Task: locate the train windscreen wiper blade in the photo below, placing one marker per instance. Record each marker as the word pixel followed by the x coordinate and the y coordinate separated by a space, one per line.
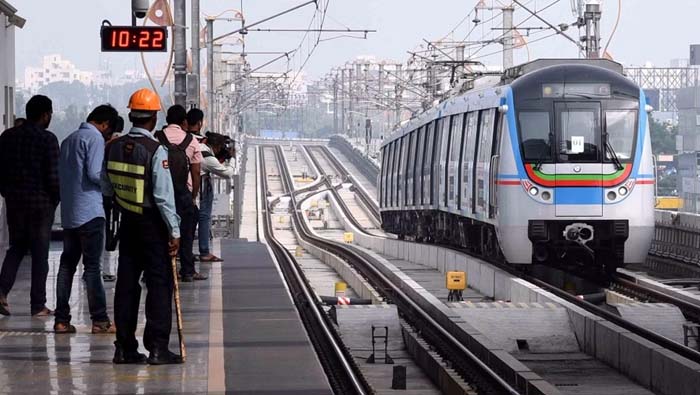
pixel 543 155
pixel 613 155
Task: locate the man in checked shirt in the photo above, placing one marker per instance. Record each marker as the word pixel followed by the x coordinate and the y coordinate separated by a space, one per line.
pixel 29 183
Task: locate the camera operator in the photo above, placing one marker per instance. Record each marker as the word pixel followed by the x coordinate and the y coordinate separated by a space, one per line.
pixel 217 150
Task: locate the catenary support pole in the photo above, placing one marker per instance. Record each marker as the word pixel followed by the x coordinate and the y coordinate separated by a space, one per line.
pixel 180 66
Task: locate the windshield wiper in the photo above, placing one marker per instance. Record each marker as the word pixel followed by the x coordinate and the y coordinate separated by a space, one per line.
pixel 613 154
pixel 543 155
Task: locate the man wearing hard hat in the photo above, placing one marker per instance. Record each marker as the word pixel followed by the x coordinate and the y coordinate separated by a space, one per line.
pixel 137 179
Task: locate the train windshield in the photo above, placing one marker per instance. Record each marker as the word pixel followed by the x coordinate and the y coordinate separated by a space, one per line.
pixel 536 135
pixel 579 132
pixel 620 128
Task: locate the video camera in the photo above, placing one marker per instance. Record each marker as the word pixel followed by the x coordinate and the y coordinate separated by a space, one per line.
pixel 229 145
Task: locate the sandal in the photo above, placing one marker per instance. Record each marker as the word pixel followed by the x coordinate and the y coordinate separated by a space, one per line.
pixel 61 328
pixel 103 327
pixel 210 258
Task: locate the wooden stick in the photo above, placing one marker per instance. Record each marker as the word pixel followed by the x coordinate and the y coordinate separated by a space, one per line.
pixel 178 312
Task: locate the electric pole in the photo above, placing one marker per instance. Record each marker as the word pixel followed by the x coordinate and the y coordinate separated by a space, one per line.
pixel 196 74
pixel 180 66
pixel 342 100
pixel 592 39
pixel 210 71
pixel 507 37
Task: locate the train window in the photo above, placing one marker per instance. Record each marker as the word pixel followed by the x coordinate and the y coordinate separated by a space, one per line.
pixel 418 167
pixel 394 155
pixel 389 174
pixel 403 168
pixel 579 132
pixel 428 163
pixel 535 134
pixel 621 126
pixel 470 137
pixel 444 152
pixel 411 169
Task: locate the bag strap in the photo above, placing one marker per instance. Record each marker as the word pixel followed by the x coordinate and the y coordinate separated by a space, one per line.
pixel 185 142
pixel 160 135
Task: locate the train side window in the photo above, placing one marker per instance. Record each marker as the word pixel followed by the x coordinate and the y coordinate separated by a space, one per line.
pixel 410 169
pixel 485 153
pixel 444 160
pixel 468 155
pixel 428 163
pixel 404 168
pixel 382 173
pixel 397 171
pixel 392 175
pixel 455 150
pixel 468 159
pixel 418 167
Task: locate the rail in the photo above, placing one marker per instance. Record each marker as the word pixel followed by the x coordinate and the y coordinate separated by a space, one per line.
pixel 443 340
pixel 342 373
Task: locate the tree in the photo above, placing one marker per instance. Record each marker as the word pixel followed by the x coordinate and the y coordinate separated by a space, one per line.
pixel 663 137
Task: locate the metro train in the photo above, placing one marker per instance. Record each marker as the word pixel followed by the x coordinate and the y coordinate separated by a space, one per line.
pixel 549 163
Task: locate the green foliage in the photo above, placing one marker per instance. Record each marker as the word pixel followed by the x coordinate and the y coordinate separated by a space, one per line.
pixel 663 138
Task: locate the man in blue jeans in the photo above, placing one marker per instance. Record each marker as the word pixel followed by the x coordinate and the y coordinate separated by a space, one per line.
pixel 83 218
pixel 212 149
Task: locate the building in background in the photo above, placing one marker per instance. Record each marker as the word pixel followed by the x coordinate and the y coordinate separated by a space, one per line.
pixel 10 20
pixel 56 69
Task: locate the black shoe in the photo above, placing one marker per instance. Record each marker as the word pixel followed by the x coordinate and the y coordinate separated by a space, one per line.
pixel 127 357
pixel 186 279
pixel 164 357
pixel 4 306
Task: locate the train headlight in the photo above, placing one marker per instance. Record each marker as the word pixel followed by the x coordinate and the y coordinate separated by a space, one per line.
pixel 622 191
pixel 546 195
pixel 612 195
pixel 534 191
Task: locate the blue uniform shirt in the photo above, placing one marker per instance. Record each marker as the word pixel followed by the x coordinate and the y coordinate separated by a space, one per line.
pixel 79 167
pixel 163 191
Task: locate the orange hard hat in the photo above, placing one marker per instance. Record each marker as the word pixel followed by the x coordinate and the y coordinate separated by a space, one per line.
pixel 144 100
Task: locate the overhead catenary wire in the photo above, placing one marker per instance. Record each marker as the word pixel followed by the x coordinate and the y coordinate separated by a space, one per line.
pixel 617 22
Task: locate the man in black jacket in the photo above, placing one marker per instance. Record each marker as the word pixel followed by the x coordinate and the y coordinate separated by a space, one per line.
pixel 29 183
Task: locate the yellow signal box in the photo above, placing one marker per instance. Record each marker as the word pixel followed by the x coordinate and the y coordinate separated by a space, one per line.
pixel 456 281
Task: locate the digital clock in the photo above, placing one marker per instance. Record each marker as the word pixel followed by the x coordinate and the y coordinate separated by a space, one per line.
pixel 134 38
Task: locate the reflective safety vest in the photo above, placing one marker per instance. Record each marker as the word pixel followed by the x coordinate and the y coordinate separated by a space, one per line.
pixel 129 169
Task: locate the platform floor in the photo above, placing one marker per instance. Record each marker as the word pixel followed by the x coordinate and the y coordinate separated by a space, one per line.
pixel 242 333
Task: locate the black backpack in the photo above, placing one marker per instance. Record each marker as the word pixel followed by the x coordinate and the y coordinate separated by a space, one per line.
pixel 179 165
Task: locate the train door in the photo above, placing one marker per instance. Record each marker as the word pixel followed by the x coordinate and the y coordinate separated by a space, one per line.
pixel 428 164
pixel 453 168
pixel 469 143
pixel 418 167
pixel 444 153
pixel 579 169
pixel 483 164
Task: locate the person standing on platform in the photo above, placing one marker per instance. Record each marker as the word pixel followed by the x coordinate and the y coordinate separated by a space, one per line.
pixel 214 164
pixel 30 185
pixel 83 218
pixel 185 160
pixel 195 122
pixel 136 177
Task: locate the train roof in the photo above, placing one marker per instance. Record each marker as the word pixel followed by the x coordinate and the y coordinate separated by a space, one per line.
pixel 526 77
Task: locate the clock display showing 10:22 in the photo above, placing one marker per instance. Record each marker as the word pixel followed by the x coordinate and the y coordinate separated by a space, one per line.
pixel 134 38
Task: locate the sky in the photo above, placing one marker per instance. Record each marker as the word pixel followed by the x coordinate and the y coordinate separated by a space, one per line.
pixel 649 30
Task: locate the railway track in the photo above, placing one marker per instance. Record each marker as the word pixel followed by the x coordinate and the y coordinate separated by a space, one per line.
pixel 620 283
pixel 443 338
pixel 339 366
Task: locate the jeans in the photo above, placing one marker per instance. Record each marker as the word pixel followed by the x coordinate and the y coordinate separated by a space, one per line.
pixel 206 202
pixel 143 249
pixel 187 221
pixel 87 241
pixel 29 231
